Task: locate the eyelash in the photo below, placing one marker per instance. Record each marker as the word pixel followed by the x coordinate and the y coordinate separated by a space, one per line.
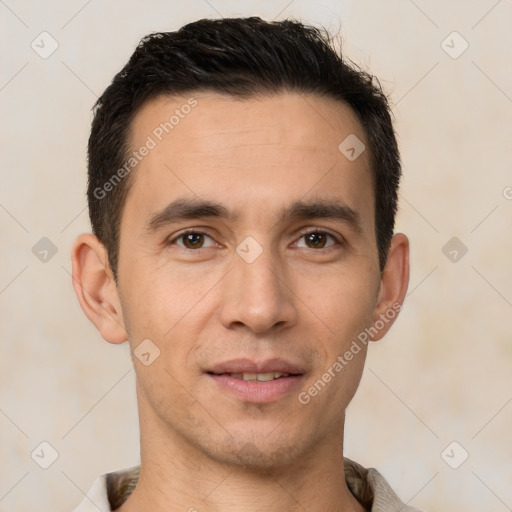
pixel 304 233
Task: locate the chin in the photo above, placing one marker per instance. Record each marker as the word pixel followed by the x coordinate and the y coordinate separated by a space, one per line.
pixel 257 453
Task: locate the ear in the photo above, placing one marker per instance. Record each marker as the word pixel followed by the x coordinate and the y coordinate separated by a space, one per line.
pixel 96 289
pixel 393 287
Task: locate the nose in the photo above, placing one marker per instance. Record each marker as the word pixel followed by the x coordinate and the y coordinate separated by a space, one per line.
pixel 258 295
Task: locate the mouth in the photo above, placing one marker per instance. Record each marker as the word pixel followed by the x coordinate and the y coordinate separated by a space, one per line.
pixel 254 382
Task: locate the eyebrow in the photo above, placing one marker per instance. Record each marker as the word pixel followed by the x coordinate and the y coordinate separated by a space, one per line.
pixel 194 208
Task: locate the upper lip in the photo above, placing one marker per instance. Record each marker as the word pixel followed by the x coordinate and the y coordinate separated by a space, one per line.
pixel 249 366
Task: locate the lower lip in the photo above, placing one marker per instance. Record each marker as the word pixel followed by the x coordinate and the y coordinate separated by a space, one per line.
pixel 255 391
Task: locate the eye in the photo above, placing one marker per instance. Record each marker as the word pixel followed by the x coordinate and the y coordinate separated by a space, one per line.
pixel 317 240
pixel 193 239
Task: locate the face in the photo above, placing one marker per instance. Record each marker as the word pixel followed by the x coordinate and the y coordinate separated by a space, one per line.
pixel 247 247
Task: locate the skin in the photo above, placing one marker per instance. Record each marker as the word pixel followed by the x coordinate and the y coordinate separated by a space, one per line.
pixel 200 446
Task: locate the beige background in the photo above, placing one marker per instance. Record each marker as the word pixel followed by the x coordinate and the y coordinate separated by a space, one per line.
pixel 442 374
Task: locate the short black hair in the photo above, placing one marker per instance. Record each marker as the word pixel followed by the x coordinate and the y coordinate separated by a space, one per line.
pixel 242 57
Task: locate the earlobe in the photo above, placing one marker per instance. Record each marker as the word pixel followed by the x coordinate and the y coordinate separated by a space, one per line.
pixel 393 286
pixel 96 289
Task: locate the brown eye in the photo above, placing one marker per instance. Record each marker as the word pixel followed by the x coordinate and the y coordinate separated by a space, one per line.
pixel 316 240
pixel 193 240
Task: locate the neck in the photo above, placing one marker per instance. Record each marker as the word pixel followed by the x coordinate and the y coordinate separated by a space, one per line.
pixel 176 476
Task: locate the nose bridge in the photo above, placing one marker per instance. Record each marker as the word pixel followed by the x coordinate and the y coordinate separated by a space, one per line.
pixel 257 295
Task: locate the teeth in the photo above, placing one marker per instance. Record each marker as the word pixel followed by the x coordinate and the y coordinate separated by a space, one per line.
pixel 264 377
pixel 261 377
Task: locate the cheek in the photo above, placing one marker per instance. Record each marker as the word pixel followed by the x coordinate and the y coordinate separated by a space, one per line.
pixel 157 299
pixel 344 301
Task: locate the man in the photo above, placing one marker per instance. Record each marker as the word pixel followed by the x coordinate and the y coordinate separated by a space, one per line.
pixel 242 192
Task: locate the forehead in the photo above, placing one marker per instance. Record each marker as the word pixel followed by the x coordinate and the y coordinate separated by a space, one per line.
pixel 209 119
pixel 247 153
